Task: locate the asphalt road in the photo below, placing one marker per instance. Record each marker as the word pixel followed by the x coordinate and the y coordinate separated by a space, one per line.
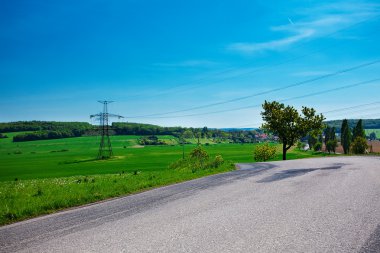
pixel 309 205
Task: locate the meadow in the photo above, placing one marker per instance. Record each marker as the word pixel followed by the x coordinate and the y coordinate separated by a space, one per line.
pixel 40 177
pixel 376 131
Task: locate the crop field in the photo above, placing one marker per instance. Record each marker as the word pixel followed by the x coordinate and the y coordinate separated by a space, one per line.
pixel 39 177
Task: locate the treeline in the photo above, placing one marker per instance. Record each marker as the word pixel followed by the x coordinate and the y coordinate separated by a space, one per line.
pixel 235 136
pixel 23 126
pixel 367 124
pixel 148 129
pixel 44 130
pixel 45 135
pixel 144 129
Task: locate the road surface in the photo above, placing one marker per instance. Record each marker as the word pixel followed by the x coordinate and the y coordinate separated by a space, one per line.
pixel 309 205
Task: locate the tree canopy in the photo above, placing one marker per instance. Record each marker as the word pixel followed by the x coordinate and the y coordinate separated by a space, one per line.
pixel 286 123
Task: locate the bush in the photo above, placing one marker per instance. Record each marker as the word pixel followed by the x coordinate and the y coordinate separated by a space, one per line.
pixel 264 152
pixel 300 145
pixel 218 161
pixel 359 145
pixel 198 159
pixel 317 146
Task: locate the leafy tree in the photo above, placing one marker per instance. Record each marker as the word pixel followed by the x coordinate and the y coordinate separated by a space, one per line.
pixel 288 124
pixel 204 132
pixel 188 134
pixel 320 138
pixel 358 130
pixel 372 136
pixel 264 152
pixel 318 146
pixel 346 136
pixel 312 140
pixel 359 145
pixel 329 134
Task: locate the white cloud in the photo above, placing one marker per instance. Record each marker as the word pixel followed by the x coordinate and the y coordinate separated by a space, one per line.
pixel 250 48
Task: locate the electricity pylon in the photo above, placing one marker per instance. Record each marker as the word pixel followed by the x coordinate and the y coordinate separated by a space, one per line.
pixel 105 149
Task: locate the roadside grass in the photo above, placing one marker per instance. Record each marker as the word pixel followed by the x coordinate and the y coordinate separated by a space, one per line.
pixel 41 177
pixel 23 199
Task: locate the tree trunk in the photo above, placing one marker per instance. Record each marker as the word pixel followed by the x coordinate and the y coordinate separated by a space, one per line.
pixel 284 151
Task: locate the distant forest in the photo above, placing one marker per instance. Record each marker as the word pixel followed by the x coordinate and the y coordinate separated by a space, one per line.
pixel 43 130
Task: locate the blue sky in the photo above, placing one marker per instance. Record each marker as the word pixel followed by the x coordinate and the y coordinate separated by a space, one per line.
pixel 57 58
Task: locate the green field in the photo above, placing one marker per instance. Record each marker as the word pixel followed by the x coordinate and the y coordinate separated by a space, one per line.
pixel 40 177
pixel 376 131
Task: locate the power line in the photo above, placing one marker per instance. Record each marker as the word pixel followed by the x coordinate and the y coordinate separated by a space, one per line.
pixel 255 94
pixel 353 107
pixel 186 84
pixel 325 112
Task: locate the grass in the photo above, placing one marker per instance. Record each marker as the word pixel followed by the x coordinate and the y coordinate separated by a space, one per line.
pixel 41 177
pixel 23 199
pixel 376 131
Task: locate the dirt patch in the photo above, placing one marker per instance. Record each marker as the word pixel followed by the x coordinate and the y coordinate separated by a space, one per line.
pixel 137 146
pixel 374 147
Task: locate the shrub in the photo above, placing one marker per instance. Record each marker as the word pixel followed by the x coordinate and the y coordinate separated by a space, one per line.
pixel 197 159
pixel 359 145
pixel 218 161
pixel 317 146
pixel 264 152
pixel 300 145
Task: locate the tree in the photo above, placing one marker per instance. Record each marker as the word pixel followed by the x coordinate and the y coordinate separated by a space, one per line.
pixel 372 136
pixel 330 139
pixel 327 134
pixel 188 134
pixel 359 145
pixel 204 132
pixel 346 136
pixel 358 130
pixel 331 145
pixel 288 124
pixel 264 152
pixel 312 140
pixel 318 146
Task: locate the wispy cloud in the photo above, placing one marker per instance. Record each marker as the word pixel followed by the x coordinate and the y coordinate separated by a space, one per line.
pixel 326 19
pixel 249 48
